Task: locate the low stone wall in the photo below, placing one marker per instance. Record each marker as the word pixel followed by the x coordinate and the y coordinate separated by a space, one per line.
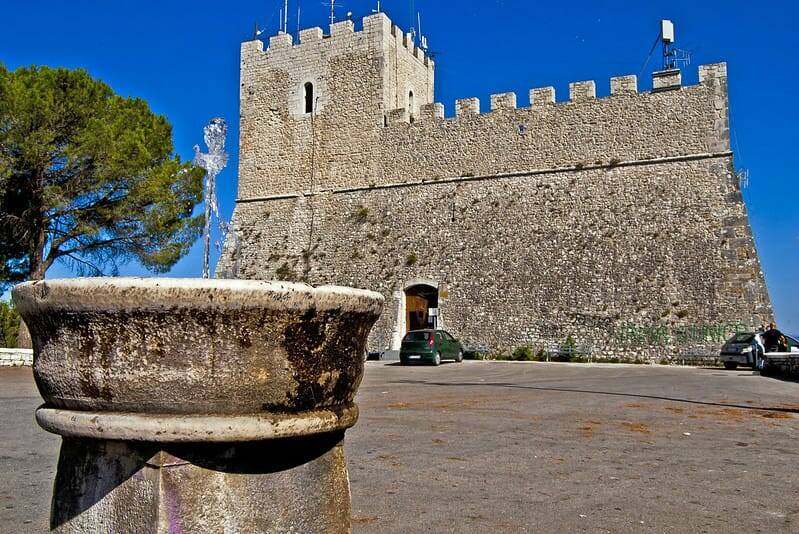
pixel 16 357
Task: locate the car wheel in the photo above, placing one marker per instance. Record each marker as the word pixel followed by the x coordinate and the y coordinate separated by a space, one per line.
pixel 730 365
pixel 459 359
pixel 437 359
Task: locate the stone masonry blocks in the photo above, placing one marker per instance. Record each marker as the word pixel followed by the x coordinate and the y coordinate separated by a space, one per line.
pixel 342 27
pixel 532 185
pixel 712 71
pixel 280 41
pixel 251 48
pixel 467 106
pixel 310 35
pixel 432 111
pixel 542 96
pixel 616 277
pixel 666 79
pixel 624 84
pixel 396 116
pixel 582 91
pixel 503 101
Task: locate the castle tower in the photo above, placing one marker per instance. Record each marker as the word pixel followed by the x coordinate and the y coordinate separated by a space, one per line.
pixel 617 220
pixel 311 111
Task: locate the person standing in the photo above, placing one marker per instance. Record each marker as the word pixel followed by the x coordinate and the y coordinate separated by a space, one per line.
pixel 772 338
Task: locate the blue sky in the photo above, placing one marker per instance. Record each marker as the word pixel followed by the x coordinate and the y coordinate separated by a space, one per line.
pixel 183 58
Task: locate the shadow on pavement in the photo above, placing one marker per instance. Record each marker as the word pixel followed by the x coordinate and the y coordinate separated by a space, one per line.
pixel 593 392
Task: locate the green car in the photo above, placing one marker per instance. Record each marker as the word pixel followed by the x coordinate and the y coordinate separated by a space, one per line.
pixel 430 346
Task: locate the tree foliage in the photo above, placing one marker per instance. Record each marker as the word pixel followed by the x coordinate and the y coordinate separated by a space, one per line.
pixel 9 325
pixel 88 177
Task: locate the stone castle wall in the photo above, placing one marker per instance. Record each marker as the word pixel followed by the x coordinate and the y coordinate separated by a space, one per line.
pixel 617 220
pixel 357 76
pixel 534 258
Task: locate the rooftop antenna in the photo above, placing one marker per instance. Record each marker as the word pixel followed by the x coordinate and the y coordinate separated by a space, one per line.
pixel 667 40
pixel 422 38
pixel 378 7
pixel 332 11
pixel 285 16
pixel 673 57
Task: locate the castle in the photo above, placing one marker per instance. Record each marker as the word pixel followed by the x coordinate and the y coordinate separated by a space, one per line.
pixel 617 221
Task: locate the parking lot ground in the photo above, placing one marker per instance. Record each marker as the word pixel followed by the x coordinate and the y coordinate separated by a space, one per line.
pixel 524 447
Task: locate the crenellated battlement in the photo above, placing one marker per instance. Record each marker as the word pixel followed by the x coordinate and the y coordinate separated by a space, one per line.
pixel 354 107
pixel 373 28
pixel 581 92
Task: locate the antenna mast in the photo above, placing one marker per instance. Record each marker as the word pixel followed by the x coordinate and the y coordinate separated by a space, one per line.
pixel 667 39
pixel 332 11
pixel 285 16
pixel 673 57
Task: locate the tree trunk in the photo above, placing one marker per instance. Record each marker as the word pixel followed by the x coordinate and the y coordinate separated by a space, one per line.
pixel 38 265
pixel 24 340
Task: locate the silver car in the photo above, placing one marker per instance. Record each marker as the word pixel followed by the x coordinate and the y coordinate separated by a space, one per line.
pixel 743 348
pixel 747 348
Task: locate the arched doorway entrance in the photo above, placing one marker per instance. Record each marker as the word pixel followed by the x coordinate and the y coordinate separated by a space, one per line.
pixel 421 307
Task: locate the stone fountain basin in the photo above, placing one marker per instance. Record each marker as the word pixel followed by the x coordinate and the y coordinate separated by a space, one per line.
pixel 152 346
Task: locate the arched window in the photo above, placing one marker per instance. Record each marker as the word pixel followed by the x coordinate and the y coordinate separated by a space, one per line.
pixel 308 97
pixel 410 102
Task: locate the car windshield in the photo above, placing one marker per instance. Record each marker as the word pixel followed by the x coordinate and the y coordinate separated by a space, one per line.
pixel 741 338
pixel 417 336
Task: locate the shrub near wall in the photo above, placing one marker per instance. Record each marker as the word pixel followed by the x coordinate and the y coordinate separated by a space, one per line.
pixel 9 325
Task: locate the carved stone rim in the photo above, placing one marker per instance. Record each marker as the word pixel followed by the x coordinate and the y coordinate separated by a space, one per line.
pixel 130 293
pixel 179 428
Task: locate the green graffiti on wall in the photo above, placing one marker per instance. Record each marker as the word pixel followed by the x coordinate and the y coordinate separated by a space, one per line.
pixel 679 334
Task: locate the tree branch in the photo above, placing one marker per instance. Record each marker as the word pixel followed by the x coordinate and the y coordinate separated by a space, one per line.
pixel 98 244
pixel 92 266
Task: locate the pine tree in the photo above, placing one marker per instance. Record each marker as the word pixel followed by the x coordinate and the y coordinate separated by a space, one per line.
pixel 88 177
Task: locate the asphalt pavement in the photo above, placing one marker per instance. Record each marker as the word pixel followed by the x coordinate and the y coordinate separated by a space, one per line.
pixel 523 447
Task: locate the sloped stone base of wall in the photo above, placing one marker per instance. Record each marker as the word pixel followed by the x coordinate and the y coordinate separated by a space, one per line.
pixel 650 260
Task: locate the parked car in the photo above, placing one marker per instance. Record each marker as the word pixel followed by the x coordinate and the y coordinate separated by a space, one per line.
pixel 431 346
pixel 747 348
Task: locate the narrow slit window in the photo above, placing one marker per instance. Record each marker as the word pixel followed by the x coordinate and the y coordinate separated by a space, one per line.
pixel 309 96
pixel 410 102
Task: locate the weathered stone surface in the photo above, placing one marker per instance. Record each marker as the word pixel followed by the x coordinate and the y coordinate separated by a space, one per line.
pixel 285 485
pixel 196 346
pixel 24 337
pixel 617 220
pixel 198 406
pixel 182 428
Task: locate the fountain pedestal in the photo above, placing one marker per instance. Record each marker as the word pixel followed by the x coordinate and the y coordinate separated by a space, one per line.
pixel 198 406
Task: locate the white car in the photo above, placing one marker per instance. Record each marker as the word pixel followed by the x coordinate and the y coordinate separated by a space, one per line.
pixel 746 348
